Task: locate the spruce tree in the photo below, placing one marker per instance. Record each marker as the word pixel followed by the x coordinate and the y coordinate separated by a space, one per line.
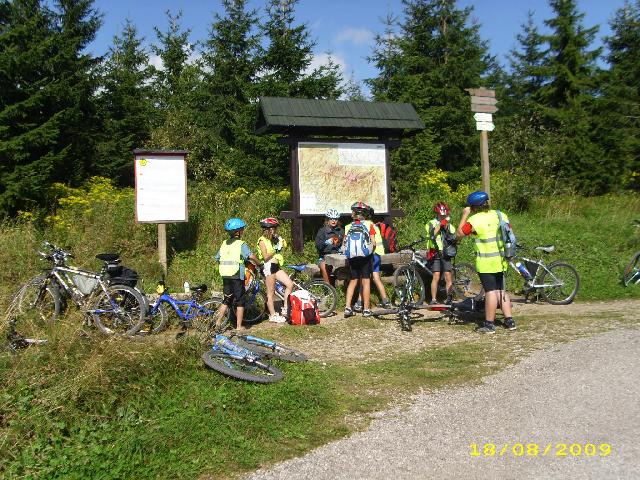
pixel 47 121
pixel 125 105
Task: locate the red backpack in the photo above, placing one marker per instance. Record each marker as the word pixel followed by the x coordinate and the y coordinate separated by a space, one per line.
pixel 389 237
pixel 303 309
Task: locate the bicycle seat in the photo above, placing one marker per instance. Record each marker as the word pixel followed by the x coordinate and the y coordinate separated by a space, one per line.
pixel 546 248
pixel 108 257
pixel 300 267
pixel 199 288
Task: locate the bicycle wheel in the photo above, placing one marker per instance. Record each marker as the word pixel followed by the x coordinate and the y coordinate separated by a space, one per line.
pixel 466 282
pixel 324 294
pixel 155 320
pixel 632 272
pixel 255 307
pixel 242 369
pixel 563 283
pixel 39 296
pixel 409 284
pixel 24 332
pixel 120 310
pixel 269 349
pixel 204 322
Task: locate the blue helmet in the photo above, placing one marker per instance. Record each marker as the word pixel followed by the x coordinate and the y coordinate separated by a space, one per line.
pixel 234 224
pixel 477 198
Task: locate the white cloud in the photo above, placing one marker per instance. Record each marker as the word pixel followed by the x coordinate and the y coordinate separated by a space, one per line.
pixel 357 36
pixel 156 61
pixel 323 59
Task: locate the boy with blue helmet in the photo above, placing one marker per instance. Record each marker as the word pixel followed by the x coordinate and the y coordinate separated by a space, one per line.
pixel 482 222
pixel 232 255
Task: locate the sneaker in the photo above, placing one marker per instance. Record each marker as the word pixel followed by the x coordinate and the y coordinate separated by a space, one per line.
pixel 509 323
pixel 357 307
pixel 367 313
pixel 385 303
pixel 488 328
pixel 433 302
pixel 449 300
pixel 348 313
pixel 277 318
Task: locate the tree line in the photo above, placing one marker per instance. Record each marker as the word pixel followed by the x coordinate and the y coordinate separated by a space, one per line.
pixel 568 121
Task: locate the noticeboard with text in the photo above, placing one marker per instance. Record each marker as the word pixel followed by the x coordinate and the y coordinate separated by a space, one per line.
pixel 335 175
pixel 161 187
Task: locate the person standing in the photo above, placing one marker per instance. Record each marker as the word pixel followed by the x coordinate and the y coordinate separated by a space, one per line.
pixel 442 263
pixel 481 222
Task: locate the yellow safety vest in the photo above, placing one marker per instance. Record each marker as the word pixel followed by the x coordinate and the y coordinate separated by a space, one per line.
pixel 377 237
pixel 230 257
pixel 268 245
pixel 487 242
pixel 434 223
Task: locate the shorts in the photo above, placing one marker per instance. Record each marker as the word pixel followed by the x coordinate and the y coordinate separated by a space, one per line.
pixel 377 261
pixel 442 264
pixel 360 267
pixel 233 290
pixel 492 281
pixel 270 268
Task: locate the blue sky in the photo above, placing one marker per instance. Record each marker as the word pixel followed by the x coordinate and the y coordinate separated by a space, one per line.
pixel 343 27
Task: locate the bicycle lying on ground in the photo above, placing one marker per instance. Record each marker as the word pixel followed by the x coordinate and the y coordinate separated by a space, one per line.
pixel 111 306
pixel 200 316
pixel 465 279
pixel 255 306
pixel 17 341
pixel 557 282
pixel 631 273
pixel 243 357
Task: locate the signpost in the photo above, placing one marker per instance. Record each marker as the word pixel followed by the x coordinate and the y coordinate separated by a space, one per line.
pixel 161 191
pixel 483 103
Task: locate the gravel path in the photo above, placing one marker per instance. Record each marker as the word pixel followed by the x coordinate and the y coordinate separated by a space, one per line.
pixel 582 392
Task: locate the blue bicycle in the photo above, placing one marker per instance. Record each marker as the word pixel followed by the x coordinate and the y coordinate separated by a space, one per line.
pixel 201 317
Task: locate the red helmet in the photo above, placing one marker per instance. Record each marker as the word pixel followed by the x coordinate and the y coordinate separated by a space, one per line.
pixel 441 209
pixel 269 222
pixel 360 207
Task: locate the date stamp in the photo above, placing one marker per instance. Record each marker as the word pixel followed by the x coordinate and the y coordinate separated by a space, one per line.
pixel 540 450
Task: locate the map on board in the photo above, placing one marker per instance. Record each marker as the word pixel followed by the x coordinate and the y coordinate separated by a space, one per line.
pixel 335 175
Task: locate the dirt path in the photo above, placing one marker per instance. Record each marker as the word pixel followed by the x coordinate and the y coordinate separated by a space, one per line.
pixel 358 340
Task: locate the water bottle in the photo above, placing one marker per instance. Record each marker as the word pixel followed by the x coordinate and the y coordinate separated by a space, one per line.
pixel 187 287
pixel 279 288
pixel 223 343
pixel 523 270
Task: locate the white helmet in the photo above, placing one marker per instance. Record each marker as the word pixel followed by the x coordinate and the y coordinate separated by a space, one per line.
pixel 332 214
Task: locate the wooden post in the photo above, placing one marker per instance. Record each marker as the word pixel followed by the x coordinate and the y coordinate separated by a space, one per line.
pixel 162 246
pixel 484 151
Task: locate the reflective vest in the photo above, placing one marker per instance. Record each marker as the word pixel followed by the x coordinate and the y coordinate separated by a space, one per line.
pixel 230 257
pixel 487 242
pixel 430 227
pixel 268 245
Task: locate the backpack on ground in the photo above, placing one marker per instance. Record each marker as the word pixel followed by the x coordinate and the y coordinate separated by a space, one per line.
pixel 358 241
pixel 389 237
pixel 303 309
pixel 507 236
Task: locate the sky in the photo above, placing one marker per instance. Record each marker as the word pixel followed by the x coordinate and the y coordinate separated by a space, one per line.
pixel 345 28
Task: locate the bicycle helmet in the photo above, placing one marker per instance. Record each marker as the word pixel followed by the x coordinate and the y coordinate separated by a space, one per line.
pixel 332 214
pixel 441 209
pixel 360 207
pixel 477 198
pixel 269 222
pixel 234 224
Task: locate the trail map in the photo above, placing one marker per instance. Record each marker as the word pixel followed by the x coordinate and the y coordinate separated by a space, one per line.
pixel 335 175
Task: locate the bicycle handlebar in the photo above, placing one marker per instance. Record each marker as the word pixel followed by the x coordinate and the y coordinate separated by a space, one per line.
pixel 412 244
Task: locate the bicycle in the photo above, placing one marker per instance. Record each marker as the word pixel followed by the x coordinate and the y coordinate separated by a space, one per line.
pixel 201 316
pixel 17 341
pixel 631 274
pixel 232 359
pixel 466 282
pixel 255 307
pixel 113 307
pixel 557 282
pixel 404 308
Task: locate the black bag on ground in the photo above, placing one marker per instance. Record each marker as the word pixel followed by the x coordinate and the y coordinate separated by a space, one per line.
pixel 121 275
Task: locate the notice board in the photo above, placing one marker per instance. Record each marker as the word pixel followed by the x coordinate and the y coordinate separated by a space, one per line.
pixel 161 187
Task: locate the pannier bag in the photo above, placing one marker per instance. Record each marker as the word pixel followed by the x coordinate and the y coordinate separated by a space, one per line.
pixel 507 236
pixel 389 237
pixel 358 241
pixel 121 275
pixel 303 309
pixel 84 284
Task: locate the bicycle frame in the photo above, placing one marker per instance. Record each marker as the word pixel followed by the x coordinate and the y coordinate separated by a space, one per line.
pixel 193 308
pixel 69 287
pixel 541 266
